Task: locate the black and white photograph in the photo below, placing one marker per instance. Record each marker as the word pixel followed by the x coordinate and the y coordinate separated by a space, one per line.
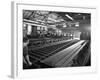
pixel 55 39
pixel 50 40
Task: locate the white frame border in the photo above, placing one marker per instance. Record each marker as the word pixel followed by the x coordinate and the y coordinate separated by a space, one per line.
pixel 17 70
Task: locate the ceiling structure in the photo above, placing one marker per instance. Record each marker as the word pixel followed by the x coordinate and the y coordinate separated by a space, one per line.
pixel 62 20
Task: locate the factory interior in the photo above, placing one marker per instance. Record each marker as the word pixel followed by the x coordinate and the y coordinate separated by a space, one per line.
pixel 57 39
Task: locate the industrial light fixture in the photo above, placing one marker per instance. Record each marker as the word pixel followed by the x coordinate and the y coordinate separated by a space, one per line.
pixel 64 25
pixel 69 17
pixel 77 24
pixel 79 14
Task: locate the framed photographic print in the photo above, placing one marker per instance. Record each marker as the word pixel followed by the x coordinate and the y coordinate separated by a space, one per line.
pixel 52 40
